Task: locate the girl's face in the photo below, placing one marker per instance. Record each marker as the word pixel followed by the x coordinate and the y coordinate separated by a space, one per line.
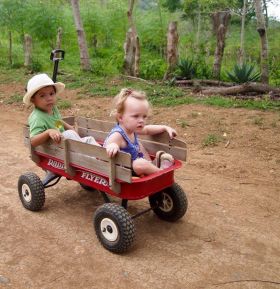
pixel 135 114
pixel 45 99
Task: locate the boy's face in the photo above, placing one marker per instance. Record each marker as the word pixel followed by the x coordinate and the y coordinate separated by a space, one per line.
pixel 45 98
pixel 135 114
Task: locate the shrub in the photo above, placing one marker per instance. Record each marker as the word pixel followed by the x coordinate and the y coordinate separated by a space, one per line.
pixel 243 73
pixel 152 69
pixel 187 69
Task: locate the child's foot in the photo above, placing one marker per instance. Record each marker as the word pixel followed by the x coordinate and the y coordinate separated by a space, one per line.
pixel 166 161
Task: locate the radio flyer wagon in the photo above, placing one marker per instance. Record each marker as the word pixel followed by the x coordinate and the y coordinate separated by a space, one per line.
pixel 90 166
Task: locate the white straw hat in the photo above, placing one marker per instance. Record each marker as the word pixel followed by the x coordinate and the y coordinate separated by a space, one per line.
pixel 39 81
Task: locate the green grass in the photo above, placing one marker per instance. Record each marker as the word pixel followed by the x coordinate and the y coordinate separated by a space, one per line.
pixel 159 94
pixel 63 104
pixel 211 140
pixel 15 98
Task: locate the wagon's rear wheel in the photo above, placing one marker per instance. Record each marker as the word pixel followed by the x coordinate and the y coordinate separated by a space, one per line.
pixel 87 188
pixel 31 191
pixel 114 227
pixel 169 204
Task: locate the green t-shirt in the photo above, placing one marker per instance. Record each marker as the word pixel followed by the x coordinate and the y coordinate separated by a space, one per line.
pixel 39 121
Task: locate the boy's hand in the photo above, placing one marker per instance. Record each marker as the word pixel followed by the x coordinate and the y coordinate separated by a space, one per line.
pixel 55 135
pixel 112 149
pixel 171 131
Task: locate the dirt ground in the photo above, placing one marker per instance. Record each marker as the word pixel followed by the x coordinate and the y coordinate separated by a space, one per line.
pixel 228 239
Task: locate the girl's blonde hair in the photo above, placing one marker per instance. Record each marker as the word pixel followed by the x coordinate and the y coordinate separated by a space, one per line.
pixel 119 100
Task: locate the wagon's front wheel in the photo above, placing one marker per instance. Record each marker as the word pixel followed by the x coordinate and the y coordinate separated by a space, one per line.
pixel 114 227
pixel 31 191
pixel 169 204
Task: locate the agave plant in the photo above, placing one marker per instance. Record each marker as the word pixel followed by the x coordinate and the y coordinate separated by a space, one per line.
pixel 243 73
pixel 186 68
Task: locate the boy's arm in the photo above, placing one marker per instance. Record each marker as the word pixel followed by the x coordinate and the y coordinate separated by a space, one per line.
pixel 42 137
pixel 152 129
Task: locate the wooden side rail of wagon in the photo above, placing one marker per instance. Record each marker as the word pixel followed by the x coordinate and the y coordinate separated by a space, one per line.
pixel 72 155
pixel 99 130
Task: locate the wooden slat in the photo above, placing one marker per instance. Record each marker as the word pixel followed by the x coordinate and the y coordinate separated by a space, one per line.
pixel 87 161
pixel 123 159
pixel 69 119
pixel 95 124
pixel 102 167
pixel 51 149
pixel 99 136
pixel 178 152
pixel 106 126
pixel 67 158
pixel 26 131
pixel 164 138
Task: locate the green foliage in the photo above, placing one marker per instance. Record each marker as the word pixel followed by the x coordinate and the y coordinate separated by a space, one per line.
pixel 187 69
pixel 43 16
pixel 211 140
pixel 243 73
pixel 274 71
pixel 153 69
pixel 15 98
pixel 172 5
pixel 36 66
pixel 63 103
pixel 109 24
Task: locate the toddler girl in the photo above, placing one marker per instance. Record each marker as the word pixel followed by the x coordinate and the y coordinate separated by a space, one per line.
pixel 132 110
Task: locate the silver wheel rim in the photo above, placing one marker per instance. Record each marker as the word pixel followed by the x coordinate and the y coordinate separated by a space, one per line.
pixel 109 230
pixel 167 203
pixel 26 193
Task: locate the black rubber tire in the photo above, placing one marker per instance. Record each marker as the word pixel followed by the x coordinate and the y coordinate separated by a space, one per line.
pixel 31 191
pixel 169 204
pixel 87 188
pixel 114 227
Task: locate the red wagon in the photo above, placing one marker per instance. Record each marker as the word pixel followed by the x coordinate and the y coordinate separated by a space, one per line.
pixel 90 166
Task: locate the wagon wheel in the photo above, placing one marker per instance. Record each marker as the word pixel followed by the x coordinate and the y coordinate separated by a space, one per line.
pixel 114 227
pixel 31 191
pixel 169 204
pixel 87 188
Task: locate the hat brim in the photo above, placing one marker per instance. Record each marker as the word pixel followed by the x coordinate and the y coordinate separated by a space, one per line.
pixel 59 87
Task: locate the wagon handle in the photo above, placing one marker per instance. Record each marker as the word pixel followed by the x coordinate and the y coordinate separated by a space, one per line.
pixel 56 56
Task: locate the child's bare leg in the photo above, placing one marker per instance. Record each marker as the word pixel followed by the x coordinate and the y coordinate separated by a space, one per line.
pixel 144 167
pixel 144 151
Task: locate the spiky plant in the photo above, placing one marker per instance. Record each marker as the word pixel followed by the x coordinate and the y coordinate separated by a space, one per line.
pixel 186 68
pixel 243 73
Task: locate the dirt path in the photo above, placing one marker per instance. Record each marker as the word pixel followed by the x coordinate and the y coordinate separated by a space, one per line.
pixel 228 239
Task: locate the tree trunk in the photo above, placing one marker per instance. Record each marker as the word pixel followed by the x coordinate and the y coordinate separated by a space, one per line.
pixel 10 48
pixel 264 43
pixel 162 50
pixel 27 50
pixel 131 46
pixel 172 48
pixel 266 13
pixel 59 38
pixel 197 40
pixel 84 56
pixel 242 32
pixel 220 25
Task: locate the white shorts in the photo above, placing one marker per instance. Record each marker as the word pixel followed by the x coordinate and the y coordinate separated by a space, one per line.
pixel 71 134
